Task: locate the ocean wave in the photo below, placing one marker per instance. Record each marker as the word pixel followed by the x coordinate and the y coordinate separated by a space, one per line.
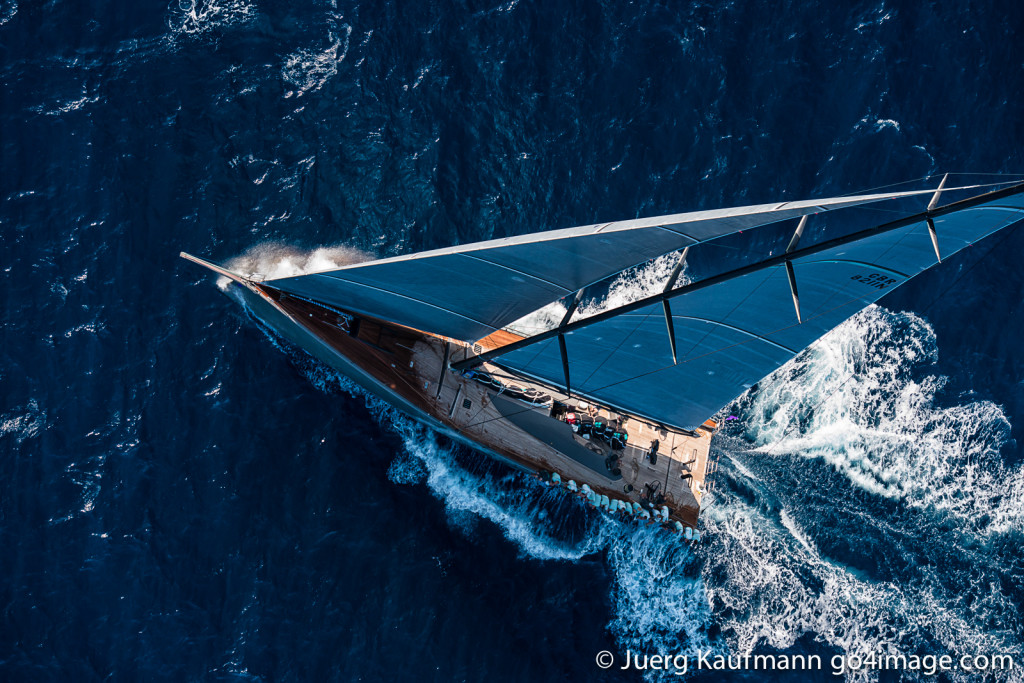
pixel 23 423
pixel 8 8
pixel 661 601
pixel 511 505
pixel 876 124
pixel 769 589
pixel 309 69
pixel 857 399
pixel 69 105
pixel 197 17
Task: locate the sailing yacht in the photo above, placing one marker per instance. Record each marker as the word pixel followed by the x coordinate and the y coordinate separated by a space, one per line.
pixel 617 403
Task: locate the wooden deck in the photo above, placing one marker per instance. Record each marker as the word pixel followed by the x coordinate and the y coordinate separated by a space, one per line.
pixel 414 366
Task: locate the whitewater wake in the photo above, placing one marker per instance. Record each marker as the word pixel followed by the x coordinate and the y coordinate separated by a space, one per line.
pixel 906 482
pixel 863 402
pixel 860 405
pixel 628 286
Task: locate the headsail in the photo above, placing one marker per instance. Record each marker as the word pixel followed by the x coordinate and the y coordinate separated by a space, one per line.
pixel 470 291
pixel 733 329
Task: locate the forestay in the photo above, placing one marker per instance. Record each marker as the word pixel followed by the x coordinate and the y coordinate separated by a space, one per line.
pixel 470 291
pixel 733 333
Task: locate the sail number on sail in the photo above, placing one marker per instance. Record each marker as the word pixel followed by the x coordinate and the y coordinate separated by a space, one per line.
pixel 876 280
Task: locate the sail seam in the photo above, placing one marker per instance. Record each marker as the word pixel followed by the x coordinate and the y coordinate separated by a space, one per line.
pixel 680 233
pixel 593 392
pixel 406 296
pixel 722 324
pixel 755 289
pixel 1014 209
pixel 616 349
pixel 866 264
pixel 516 270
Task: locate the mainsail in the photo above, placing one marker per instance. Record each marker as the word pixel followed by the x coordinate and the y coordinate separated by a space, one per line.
pixel 680 355
pixel 733 329
pixel 468 292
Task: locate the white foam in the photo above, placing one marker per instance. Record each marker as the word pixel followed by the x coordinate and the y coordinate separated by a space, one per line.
pixel 271 260
pixel 544 318
pixel 23 422
pixel 67 106
pixel 635 283
pixel 630 285
pixel 408 470
pixel 8 9
pixel 462 492
pixel 660 601
pixel 195 17
pixel 795 531
pixel 856 400
pixel 770 589
pixel 309 69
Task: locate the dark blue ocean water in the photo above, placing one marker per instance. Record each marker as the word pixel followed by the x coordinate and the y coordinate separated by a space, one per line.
pixel 183 499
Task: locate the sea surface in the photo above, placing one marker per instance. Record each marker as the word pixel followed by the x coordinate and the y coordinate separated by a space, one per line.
pixel 184 498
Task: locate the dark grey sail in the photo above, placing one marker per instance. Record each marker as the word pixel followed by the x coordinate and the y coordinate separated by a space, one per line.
pixel 468 292
pixel 736 328
pixel 676 357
